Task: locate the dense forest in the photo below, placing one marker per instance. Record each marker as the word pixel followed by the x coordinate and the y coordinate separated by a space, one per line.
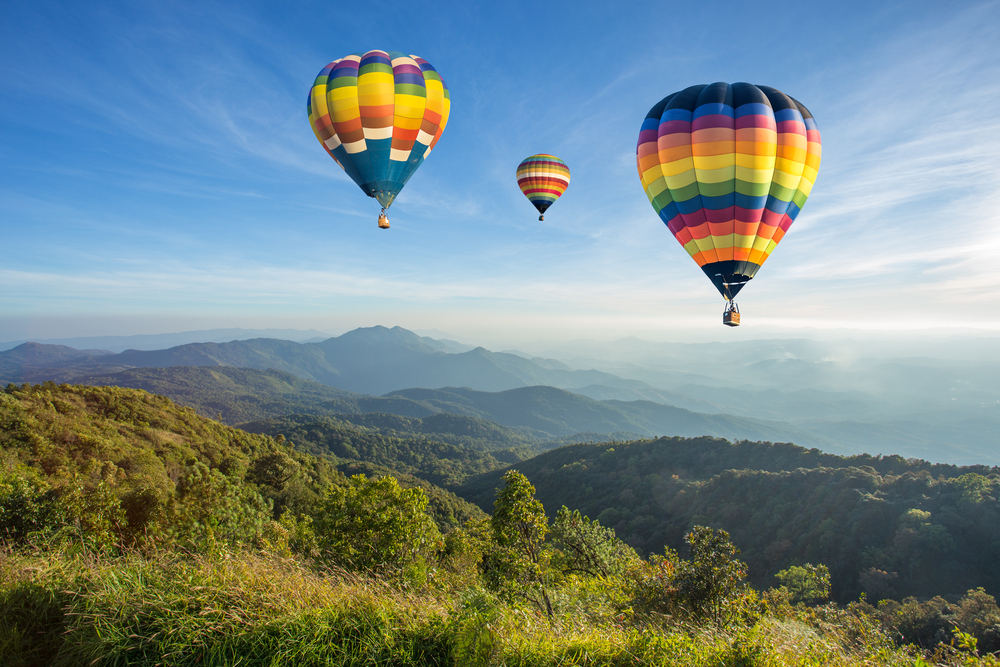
pixel 886 526
pixel 135 531
pixel 142 446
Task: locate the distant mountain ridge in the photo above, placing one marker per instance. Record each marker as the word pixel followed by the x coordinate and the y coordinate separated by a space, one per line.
pixel 945 411
pixel 540 413
pixel 374 361
pixel 562 413
pixel 162 341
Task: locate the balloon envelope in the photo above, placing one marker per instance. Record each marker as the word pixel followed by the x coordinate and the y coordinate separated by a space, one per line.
pixel 543 178
pixel 728 167
pixel 378 115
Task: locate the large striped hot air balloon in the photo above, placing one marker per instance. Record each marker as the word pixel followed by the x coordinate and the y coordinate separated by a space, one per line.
pixel 378 115
pixel 728 167
pixel 542 178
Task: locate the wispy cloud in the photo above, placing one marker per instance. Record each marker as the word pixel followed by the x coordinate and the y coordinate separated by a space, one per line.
pixel 182 172
pixel 910 185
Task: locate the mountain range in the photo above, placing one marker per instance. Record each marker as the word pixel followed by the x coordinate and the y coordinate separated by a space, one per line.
pixel 944 410
pixel 539 413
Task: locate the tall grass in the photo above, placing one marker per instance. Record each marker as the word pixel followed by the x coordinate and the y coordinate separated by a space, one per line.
pixel 229 610
pixel 249 610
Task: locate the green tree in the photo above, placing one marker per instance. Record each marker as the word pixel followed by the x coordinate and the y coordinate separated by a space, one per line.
pixel 975 488
pixel 208 508
pixel 515 564
pixel 979 615
pixel 808 583
pixel 93 515
pixel 375 524
pixel 588 547
pixel 27 506
pixel 709 583
pixel 275 470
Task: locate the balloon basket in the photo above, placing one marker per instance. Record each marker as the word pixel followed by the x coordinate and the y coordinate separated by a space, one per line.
pixel 541 217
pixel 383 220
pixel 731 316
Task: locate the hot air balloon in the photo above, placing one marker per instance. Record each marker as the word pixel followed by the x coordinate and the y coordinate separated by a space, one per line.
pixel 379 115
pixel 542 178
pixel 728 167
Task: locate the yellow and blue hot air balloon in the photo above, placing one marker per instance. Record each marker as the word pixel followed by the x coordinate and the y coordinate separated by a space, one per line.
pixel 379 115
pixel 543 179
pixel 728 167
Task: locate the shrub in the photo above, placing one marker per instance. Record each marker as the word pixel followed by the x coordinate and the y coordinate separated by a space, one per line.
pixel 27 506
pixel 808 583
pixel 587 547
pixel 375 525
pixel 210 509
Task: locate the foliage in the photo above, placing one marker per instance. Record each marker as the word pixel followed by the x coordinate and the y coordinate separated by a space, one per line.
pixel 92 515
pixel 711 586
pixel 27 506
pixel 375 525
pixel 885 525
pixel 516 562
pixel 136 532
pixel 209 509
pixel 806 583
pixel 109 468
pixel 242 608
pixel 447 509
pixel 713 578
pixel 585 546
pixel 937 621
pixel 426 457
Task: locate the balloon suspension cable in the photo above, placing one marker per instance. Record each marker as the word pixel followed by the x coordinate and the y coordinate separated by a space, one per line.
pixel 383 220
pixel 731 315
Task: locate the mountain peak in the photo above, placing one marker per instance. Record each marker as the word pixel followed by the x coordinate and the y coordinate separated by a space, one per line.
pixel 380 334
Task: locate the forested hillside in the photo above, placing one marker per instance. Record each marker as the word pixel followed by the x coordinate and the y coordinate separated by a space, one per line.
pixel 138 445
pixel 432 458
pixel 134 531
pixel 242 395
pixel 887 526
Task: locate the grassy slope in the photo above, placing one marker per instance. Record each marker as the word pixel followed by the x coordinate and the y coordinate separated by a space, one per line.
pixel 262 610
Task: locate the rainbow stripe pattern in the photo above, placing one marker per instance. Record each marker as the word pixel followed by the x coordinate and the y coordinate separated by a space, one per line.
pixel 728 167
pixel 379 115
pixel 543 178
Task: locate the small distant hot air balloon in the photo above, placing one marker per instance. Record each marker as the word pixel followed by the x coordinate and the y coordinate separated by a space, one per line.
pixel 378 115
pixel 728 167
pixel 542 178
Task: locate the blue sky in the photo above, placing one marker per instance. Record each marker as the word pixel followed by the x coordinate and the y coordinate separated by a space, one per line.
pixel 158 172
